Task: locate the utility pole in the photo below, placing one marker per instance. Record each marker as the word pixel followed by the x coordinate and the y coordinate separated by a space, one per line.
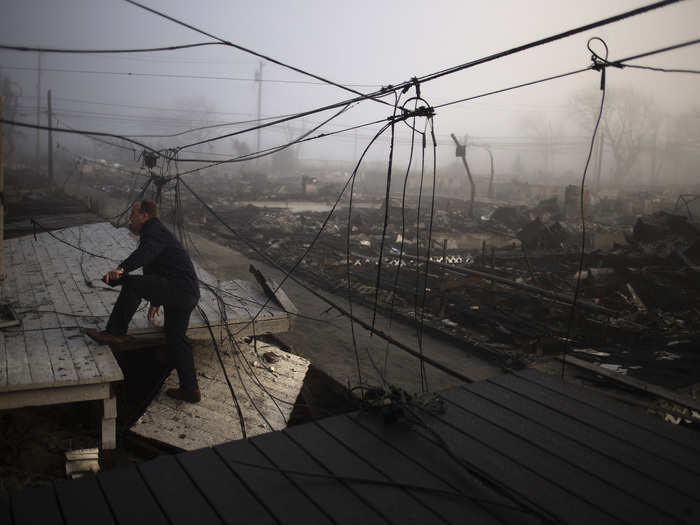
pixel 601 145
pixel 462 153
pixel 50 141
pixel 355 155
pixel 2 191
pixel 38 113
pixel 258 79
pixel 488 149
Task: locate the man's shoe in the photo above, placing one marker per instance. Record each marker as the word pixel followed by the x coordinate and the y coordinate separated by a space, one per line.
pixel 191 396
pixel 105 337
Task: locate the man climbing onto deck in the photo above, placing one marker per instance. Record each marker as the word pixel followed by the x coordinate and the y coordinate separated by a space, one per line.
pixel 168 280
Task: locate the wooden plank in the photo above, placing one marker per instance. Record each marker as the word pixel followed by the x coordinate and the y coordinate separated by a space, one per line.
pixel 18 374
pixel 328 493
pixel 608 444
pixel 643 386
pixel 399 468
pixel 392 503
pixel 432 457
pixel 683 437
pixel 282 498
pixel 53 395
pixel 82 502
pixel 30 281
pixel 129 497
pixel 88 298
pixel 59 351
pixel 17 365
pixel 180 499
pixel 578 402
pixel 225 492
pixel 635 495
pixel 507 435
pixel 36 505
pixel 526 484
pixel 83 360
pixel 200 332
pixel 266 398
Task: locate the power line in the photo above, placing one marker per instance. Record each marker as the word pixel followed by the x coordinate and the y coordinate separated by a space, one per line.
pixel 176 75
pixel 407 84
pixel 268 151
pixel 135 118
pixel 616 63
pixel 547 40
pixel 661 50
pixel 619 63
pixel 78 132
pixel 663 70
pixel 254 53
pixel 517 86
pixel 107 51
pixel 152 108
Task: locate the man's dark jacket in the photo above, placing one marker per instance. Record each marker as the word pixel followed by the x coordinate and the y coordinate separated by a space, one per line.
pixel 160 253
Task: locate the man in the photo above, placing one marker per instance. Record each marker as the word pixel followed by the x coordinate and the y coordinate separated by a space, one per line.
pixel 168 280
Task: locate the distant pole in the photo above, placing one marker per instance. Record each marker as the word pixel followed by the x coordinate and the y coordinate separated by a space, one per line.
pixel 491 178
pixel 258 78
pixel 355 156
pixel 601 145
pixel 50 141
pixel 38 113
pixel 2 191
pixel 462 152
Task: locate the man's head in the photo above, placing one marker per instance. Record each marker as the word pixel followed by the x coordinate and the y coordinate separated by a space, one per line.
pixel 140 213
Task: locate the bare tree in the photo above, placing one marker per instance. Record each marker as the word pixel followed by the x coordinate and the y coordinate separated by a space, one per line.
pixel 631 125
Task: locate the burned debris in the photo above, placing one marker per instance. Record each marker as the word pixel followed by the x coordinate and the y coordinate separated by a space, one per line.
pixel 503 284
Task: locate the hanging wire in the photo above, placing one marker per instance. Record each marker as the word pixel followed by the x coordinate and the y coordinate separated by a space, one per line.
pixel 599 63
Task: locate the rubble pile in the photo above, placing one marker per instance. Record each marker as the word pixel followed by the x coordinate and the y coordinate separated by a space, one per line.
pixel 636 306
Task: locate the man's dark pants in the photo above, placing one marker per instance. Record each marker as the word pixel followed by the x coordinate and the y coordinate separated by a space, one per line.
pixel 177 306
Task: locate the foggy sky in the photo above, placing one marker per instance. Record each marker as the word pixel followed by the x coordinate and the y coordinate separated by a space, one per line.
pixel 360 42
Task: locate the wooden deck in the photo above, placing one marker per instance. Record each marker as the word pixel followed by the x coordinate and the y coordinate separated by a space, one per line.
pixel 518 441
pixel 46 360
pixel 56 291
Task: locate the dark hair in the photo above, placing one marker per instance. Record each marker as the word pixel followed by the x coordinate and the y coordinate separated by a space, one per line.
pixel 149 207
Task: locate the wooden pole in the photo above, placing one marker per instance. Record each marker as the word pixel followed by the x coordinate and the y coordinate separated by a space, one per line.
pixel 601 145
pixel 491 178
pixel 2 191
pixel 258 78
pixel 50 141
pixel 38 114
pixel 462 153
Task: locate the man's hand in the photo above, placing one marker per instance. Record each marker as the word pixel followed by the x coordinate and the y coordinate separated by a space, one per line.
pixel 153 311
pixel 113 275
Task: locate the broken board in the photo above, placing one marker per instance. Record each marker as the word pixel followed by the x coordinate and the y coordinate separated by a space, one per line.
pixel 266 382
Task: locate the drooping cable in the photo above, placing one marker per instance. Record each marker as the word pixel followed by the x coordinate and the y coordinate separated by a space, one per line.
pixel 403 231
pixel 251 52
pixel 175 75
pixel 331 303
pixel 599 65
pixel 107 51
